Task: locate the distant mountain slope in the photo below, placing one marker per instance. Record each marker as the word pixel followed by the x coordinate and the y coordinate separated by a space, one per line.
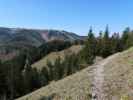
pixel 11 36
pixel 14 39
pixel 117 81
pixel 54 55
pixel 59 35
pixel 34 37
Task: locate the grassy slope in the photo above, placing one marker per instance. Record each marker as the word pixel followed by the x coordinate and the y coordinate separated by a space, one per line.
pixel 118 81
pixel 119 76
pixel 54 55
pixel 70 87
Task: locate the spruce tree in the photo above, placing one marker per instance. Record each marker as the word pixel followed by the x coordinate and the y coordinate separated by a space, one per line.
pixel 115 43
pixel 44 76
pixel 125 37
pixel 3 85
pixel 50 70
pixel 128 39
pixel 90 48
pixel 58 71
pixel 27 76
pixel 106 43
pixel 99 45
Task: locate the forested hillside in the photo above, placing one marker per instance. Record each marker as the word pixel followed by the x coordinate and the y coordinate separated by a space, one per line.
pixel 13 40
pixel 18 78
pixel 117 84
pixel 53 56
pixel 25 78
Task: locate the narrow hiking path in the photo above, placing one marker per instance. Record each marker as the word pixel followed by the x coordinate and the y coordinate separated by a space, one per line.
pixel 99 84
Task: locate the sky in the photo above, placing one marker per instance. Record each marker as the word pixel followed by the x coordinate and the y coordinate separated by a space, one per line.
pixel 70 15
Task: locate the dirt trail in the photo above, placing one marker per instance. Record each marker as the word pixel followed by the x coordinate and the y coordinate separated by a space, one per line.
pixel 98 84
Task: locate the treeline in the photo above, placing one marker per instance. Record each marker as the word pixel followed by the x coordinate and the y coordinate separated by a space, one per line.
pixel 18 78
pixel 105 44
pixel 51 46
pixel 11 78
pixel 56 45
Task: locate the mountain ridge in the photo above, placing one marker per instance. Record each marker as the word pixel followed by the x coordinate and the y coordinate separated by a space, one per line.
pixel 43 34
pixel 12 39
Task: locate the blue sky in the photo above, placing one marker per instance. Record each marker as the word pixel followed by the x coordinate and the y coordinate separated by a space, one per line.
pixel 71 15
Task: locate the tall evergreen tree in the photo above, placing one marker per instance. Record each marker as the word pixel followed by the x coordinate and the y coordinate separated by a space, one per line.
pixel 115 43
pixel 106 43
pixel 125 37
pixel 129 42
pixel 35 79
pixel 90 48
pixel 50 70
pixel 3 85
pixel 27 76
pixel 10 79
pixel 44 76
pixel 57 69
pixel 99 45
pixel 106 34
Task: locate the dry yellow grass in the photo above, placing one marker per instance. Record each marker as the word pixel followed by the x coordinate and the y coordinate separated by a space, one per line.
pixel 119 76
pixel 54 55
pixel 118 82
pixel 70 88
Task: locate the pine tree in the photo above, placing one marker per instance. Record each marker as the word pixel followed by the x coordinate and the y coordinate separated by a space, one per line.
pixel 27 76
pixel 35 79
pixel 66 64
pixel 3 86
pixel 106 34
pixel 129 41
pixel 106 43
pixel 10 78
pixel 44 76
pixel 125 37
pixel 50 70
pixel 99 45
pixel 58 69
pixel 90 48
pixel 115 43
